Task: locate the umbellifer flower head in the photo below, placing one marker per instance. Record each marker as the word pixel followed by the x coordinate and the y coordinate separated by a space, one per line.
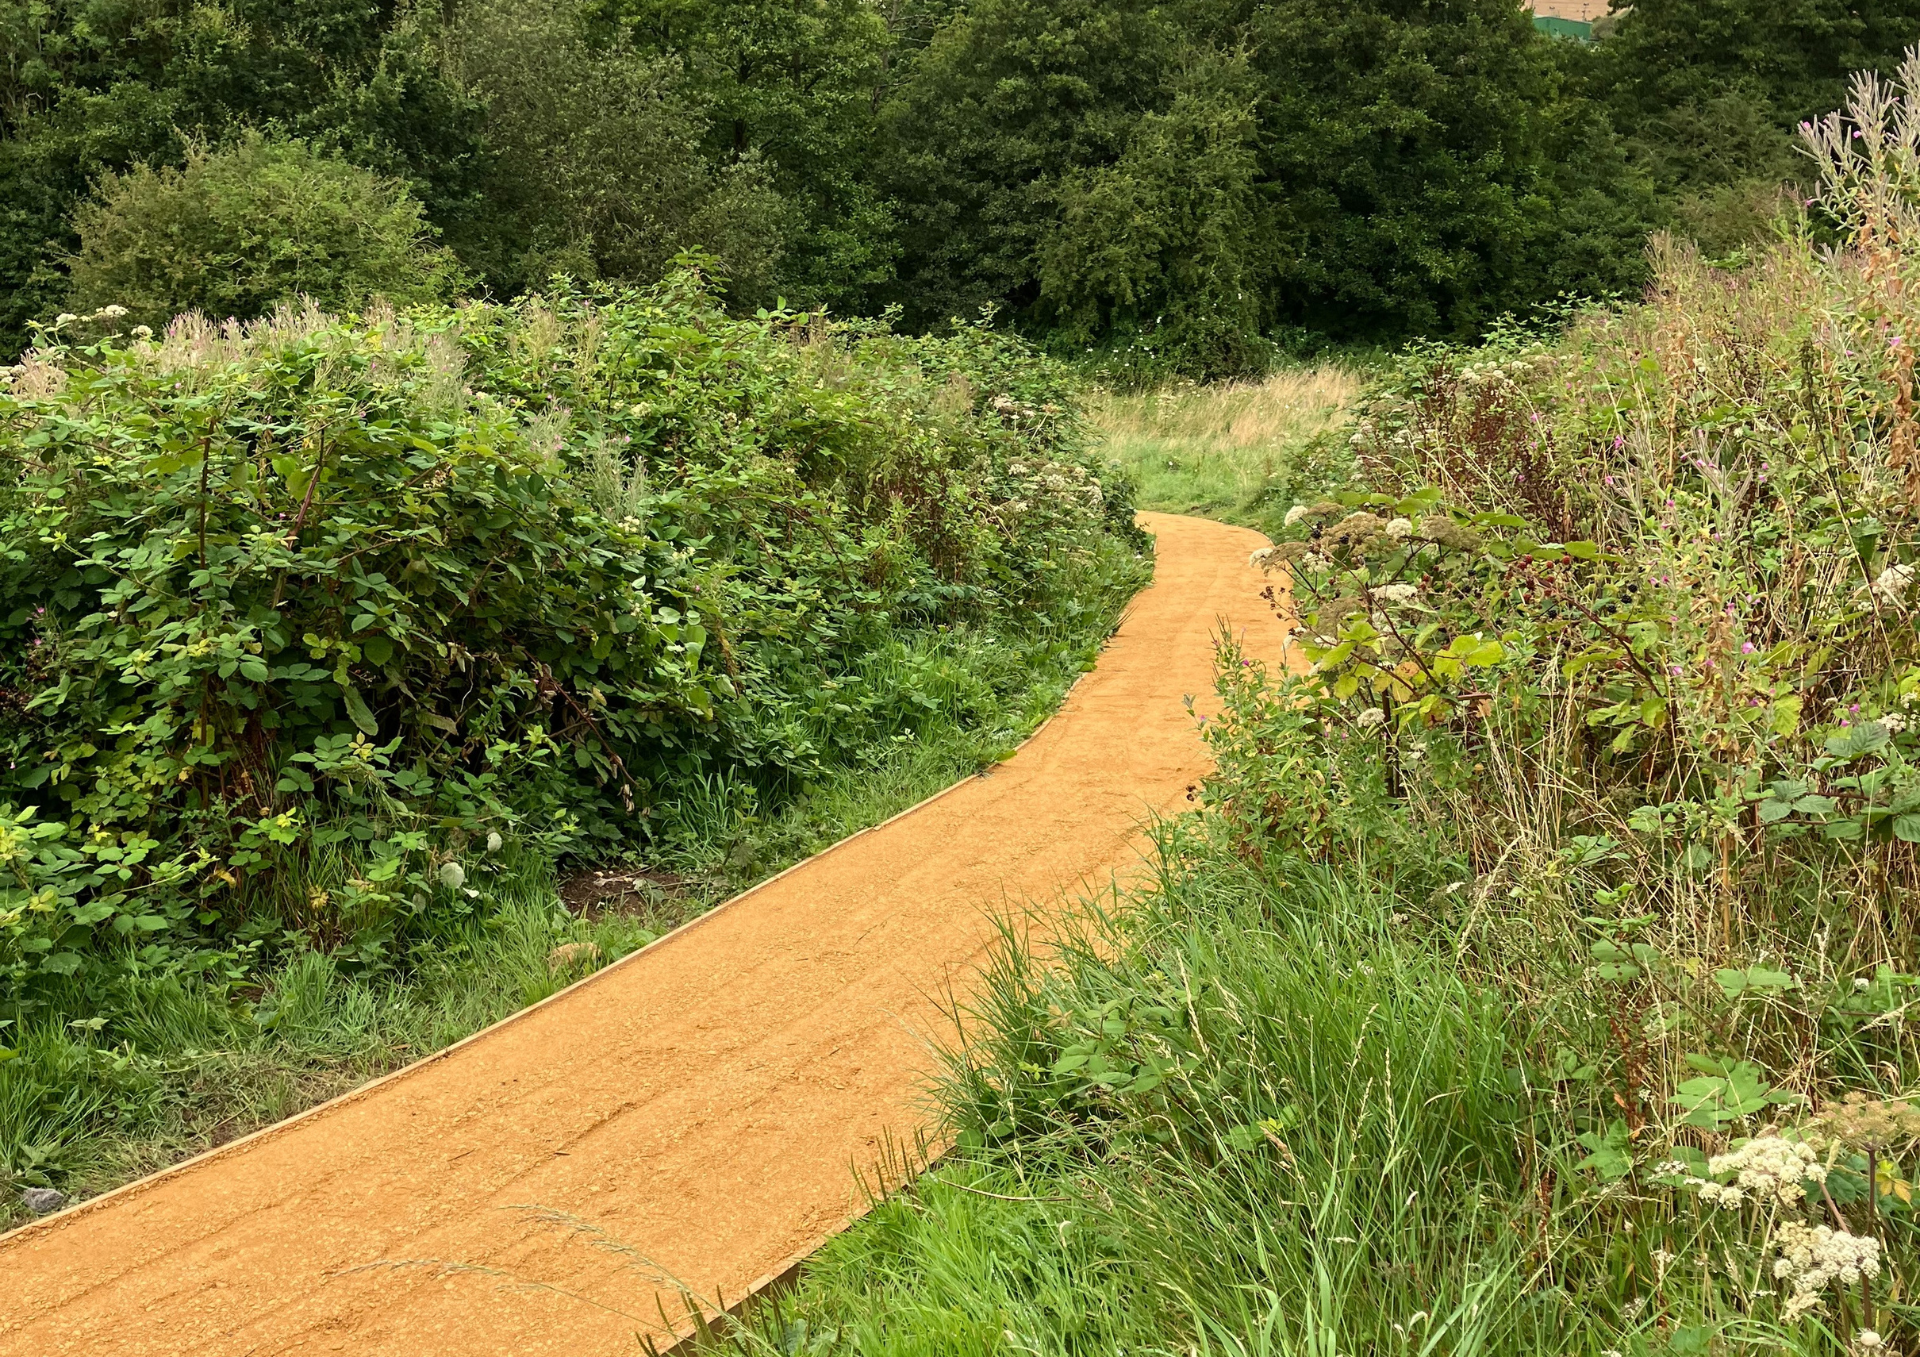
pixel 1815 1257
pixel 1771 1168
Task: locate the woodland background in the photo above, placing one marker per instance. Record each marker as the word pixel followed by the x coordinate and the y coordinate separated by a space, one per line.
pixel 1196 187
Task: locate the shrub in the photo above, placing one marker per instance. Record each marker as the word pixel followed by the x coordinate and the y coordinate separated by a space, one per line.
pixel 303 612
pixel 237 230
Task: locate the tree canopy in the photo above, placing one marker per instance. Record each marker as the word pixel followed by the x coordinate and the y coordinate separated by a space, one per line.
pixel 1184 184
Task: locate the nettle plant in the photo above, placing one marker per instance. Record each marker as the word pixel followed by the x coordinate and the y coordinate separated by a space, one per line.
pixel 299 615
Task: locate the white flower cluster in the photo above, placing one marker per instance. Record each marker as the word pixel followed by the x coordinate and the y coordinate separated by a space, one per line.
pixel 1892 583
pixel 104 313
pixel 1400 529
pixel 1894 722
pixel 1815 1257
pixel 1396 594
pixel 1370 718
pixel 1770 1167
pixel 1296 513
pixel 1725 1196
pixel 1868 1341
pixel 1501 374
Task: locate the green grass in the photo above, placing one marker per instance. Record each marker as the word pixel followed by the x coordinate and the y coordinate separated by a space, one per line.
pixel 1241 1115
pixel 1241 452
pixel 186 1066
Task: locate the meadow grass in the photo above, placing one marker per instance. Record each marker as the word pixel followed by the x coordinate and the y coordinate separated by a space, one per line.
pixel 1241 452
pixel 1241 1114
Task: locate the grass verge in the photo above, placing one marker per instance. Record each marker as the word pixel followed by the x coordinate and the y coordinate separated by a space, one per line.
pixel 1241 452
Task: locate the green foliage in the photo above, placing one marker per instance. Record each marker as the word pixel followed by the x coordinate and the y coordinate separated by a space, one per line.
pixel 1707 96
pixel 788 92
pixel 237 231
pixel 596 163
pixel 88 88
pixel 1792 56
pixel 1194 183
pixel 302 613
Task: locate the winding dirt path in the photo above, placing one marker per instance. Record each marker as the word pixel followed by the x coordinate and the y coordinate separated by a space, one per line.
pixel 705 1101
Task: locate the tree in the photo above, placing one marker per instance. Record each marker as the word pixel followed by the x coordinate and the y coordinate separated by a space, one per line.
pixel 1012 103
pixel 237 230
pixel 1193 180
pixel 91 87
pixel 1168 240
pixel 1406 164
pixel 1707 94
pixel 597 167
pixel 788 86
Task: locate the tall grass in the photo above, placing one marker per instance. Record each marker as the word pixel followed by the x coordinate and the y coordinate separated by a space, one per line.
pixel 1239 451
pixel 1243 1115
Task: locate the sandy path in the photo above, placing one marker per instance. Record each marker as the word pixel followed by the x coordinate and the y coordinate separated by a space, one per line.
pixel 704 1101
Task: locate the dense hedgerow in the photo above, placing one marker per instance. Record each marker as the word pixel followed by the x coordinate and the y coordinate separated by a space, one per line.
pixel 1616 657
pixel 303 617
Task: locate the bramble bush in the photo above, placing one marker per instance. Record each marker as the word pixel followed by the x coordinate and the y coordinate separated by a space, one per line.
pixel 308 618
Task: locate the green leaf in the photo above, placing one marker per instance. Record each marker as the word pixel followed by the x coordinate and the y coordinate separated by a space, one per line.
pixel 377 649
pixel 360 714
pixel 1753 980
pixel 1611 1154
pixel 1244 1138
pixel 1645 820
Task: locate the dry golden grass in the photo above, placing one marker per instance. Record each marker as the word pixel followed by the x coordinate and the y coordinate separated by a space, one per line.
pixel 1231 451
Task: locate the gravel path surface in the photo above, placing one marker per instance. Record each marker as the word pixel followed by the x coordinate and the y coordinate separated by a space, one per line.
pixel 705 1102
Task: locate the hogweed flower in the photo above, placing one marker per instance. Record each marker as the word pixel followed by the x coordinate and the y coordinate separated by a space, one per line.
pixel 1399 529
pixel 1892 583
pixel 1815 1257
pixel 1370 718
pixel 1770 1166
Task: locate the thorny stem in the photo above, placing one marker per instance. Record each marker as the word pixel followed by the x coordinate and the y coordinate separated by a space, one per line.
pixel 300 518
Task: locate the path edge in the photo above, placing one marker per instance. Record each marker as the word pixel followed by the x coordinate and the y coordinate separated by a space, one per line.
pixel 25 1235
